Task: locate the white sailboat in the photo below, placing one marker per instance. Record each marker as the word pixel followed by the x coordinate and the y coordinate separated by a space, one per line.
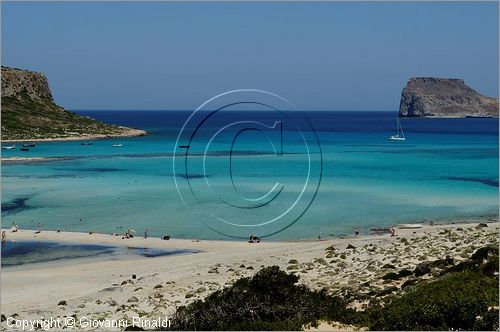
pixel 400 135
pixel 12 147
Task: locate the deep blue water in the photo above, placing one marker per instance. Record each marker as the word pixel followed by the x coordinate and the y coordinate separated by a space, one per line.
pixel 446 170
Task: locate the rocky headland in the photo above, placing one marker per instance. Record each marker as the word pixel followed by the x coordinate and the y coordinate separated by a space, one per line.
pixel 444 97
pixel 29 113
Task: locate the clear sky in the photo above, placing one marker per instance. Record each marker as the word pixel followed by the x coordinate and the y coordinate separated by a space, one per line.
pixel 320 56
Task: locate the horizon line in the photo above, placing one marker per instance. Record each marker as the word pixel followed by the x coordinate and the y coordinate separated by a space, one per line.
pixel 187 110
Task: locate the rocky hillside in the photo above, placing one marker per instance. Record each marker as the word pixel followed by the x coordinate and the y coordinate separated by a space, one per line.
pixel 444 97
pixel 29 112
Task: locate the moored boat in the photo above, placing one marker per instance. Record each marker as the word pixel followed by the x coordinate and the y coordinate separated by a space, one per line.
pixel 400 136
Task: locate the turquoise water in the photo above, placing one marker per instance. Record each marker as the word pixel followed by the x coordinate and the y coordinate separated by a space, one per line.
pixel 446 169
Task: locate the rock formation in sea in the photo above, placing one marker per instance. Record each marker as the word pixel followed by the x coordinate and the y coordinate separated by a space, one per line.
pixel 444 97
pixel 29 112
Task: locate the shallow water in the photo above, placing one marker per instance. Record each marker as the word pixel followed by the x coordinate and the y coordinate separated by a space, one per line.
pixel 29 252
pixel 446 169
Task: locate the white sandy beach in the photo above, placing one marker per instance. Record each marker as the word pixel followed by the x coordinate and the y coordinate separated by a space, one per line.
pixel 105 289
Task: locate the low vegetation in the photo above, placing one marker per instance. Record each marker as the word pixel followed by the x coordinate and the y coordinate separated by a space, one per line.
pixel 270 300
pixel 26 118
pixel 463 297
pixel 459 301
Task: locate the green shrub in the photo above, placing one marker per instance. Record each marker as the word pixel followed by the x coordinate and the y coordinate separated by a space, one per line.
pixel 270 300
pixel 391 276
pixel 405 273
pixel 450 303
pixel 459 300
pixel 483 259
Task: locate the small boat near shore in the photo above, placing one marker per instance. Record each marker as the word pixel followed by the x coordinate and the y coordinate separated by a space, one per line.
pixel 84 143
pixel 29 145
pixel 117 145
pixel 12 147
pixel 25 149
pixel 410 226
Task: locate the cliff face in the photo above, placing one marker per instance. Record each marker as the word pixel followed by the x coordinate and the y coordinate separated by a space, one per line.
pixel 444 97
pixel 29 112
pixel 17 82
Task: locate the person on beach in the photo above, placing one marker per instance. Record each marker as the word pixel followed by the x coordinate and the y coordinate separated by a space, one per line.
pixel 39 229
pixel 254 239
pixel 3 236
pixel 14 227
pixel 356 231
pixel 146 233
pixel 393 231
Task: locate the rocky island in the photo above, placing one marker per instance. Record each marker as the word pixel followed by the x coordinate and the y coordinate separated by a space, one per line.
pixel 29 113
pixel 444 98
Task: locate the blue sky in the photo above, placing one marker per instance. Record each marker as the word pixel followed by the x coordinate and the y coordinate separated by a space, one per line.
pixel 320 56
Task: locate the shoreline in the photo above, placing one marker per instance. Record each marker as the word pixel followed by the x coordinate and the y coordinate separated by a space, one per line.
pixel 106 237
pixel 152 242
pixel 130 132
pixel 153 287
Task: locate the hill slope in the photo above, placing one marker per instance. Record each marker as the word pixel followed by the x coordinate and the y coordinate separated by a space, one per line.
pixel 30 113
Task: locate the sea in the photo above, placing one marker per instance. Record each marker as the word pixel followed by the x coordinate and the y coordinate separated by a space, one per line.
pixel 20 253
pixel 279 176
